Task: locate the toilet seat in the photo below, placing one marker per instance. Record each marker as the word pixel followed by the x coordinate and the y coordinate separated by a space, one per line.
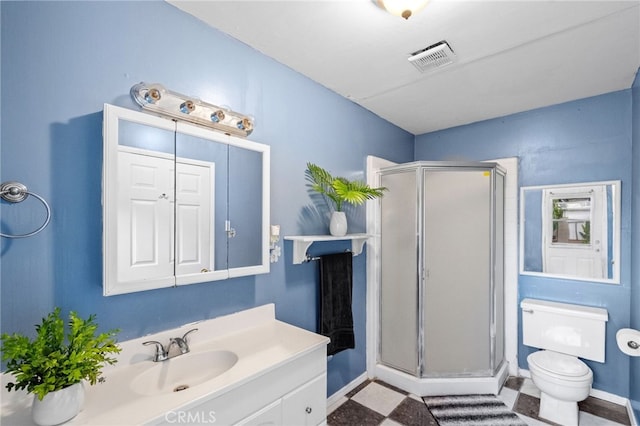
pixel 561 366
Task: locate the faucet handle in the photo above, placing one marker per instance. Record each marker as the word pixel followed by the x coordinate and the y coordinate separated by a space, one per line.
pixel 161 353
pixel 181 342
pixel 187 333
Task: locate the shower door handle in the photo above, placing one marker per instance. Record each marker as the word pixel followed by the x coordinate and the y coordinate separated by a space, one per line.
pixel 426 274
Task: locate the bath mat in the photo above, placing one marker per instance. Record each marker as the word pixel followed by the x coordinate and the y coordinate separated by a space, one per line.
pixel 467 410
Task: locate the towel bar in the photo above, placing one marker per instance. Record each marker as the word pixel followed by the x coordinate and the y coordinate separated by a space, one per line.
pixel 301 244
pixel 309 258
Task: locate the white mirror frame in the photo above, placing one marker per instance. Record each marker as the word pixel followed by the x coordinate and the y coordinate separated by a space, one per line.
pixel 616 188
pixel 111 285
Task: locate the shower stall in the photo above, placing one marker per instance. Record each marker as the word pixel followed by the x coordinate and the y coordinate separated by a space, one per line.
pixel 441 300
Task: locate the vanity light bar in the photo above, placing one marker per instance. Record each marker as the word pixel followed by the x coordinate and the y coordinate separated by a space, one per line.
pixel 154 97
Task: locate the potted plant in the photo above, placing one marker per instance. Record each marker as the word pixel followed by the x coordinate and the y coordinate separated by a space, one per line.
pixel 339 190
pixel 55 363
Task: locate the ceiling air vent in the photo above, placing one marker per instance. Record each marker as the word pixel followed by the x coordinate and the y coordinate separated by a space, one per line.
pixel 432 57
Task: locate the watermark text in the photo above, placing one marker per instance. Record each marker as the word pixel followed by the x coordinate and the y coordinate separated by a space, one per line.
pixel 190 417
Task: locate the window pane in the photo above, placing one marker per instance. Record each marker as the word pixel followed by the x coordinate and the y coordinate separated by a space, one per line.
pixel 571 220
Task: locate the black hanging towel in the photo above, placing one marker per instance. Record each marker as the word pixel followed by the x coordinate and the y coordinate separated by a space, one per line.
pixel 335 319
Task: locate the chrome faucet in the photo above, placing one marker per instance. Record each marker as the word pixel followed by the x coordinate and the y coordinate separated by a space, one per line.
pixel 181 342
pixel 162 353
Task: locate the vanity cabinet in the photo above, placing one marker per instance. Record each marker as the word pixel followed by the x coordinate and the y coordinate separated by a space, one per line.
pixel 293 394
pixel 182 204
pixel 306 405
pixel 279 378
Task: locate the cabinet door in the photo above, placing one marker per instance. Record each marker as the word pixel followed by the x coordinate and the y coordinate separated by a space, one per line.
pixel 248 204
pixel 209 149
pixel 306 405
pixel 269 415
pixel 245 208
pixel 138 201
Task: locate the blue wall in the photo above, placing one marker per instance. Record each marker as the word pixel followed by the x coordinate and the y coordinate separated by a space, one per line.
pixel 61 62
pixel 635 245
pixel 581 141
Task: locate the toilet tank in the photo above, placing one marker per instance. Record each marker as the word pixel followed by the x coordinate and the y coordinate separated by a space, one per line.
pixel 561 327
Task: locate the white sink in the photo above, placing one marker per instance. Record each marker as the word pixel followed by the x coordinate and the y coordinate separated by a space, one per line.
pixel 182 372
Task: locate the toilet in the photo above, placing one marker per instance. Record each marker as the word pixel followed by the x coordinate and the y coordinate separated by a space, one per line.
pixel 564 333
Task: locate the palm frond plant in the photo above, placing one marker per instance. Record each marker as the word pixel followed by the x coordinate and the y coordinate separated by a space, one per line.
pixel 340 190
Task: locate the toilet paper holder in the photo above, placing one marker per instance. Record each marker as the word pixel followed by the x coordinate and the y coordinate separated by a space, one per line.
pixel 628 341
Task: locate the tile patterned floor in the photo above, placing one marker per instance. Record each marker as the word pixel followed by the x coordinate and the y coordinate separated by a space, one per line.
pixel 378 403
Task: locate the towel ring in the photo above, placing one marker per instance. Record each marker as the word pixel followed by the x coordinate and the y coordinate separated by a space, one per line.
pixel 15 192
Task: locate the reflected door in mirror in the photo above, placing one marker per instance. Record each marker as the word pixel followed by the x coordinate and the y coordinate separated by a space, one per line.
pixel 571 231
pixel 574 221
pixel 145 216
pixel 194 211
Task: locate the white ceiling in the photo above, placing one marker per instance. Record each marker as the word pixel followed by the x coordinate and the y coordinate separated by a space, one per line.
pixel 512 56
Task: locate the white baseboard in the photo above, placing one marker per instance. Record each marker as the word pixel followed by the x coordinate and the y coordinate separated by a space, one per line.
pixel 610 397
pixel 632 416
pixel 346 389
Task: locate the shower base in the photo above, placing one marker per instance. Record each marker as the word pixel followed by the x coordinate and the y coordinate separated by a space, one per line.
pixel 443 385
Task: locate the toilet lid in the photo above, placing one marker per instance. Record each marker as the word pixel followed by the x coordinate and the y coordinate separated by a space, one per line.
pixel 557 363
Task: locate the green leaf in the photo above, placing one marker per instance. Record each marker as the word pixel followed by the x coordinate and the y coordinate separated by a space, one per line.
pixel 339 190
pixel 55 359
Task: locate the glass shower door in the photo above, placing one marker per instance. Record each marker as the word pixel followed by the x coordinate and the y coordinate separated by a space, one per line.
pixel 399 272
pixel 457 275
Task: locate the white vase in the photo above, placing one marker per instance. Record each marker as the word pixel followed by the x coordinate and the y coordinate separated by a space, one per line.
pixel 59 406
pixel 338 224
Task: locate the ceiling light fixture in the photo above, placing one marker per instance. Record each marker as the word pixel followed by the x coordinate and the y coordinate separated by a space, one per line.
pixel 402 8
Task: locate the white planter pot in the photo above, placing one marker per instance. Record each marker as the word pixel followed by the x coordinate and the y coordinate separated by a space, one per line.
pixel 338 224
pixel 59 406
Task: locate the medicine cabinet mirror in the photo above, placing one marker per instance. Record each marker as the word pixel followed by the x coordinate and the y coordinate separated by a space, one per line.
pixel 182 204
pixel 571 231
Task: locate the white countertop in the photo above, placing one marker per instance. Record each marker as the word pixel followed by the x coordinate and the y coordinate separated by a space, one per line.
pixel 261 343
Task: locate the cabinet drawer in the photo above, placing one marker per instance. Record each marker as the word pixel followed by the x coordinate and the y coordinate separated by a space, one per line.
pixel 271 415
pixel 307 405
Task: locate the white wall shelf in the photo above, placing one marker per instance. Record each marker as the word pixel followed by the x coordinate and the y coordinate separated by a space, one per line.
pixel 302 242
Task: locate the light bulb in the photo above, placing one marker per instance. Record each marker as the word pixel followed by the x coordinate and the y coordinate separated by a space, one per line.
pixel 217 116
pixel 245 124
pixel 402 8
pixel 187 107
pixel 152 96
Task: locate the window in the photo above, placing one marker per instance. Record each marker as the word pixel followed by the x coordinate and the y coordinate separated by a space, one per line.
pixel 571 220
